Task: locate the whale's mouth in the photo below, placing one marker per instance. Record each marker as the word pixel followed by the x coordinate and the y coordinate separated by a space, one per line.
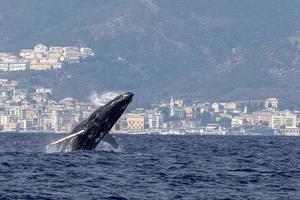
pixel 128 96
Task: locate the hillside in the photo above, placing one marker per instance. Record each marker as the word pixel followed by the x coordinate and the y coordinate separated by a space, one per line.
pixel 198 49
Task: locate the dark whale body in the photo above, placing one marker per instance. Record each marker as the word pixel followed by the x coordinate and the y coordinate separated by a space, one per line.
pixel 88 133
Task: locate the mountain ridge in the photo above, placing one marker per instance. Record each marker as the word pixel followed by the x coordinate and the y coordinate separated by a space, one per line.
pixel 206 50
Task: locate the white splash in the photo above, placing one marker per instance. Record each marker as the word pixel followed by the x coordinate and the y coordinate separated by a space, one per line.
pixel 103 146
pixel 52 149
pixel 103 98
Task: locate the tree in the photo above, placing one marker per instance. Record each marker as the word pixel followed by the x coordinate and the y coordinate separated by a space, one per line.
pixel 205 118
pixel 226 122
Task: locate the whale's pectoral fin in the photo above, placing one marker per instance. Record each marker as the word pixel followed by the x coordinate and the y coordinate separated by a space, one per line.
pixel 66 139
pixel 110 139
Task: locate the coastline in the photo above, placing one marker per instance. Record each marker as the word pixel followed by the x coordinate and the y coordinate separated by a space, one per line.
pixel 169 132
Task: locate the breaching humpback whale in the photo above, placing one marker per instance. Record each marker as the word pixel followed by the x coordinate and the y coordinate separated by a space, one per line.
pixel 88 133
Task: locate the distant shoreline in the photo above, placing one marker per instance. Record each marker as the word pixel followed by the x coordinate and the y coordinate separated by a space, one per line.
pixel 143 133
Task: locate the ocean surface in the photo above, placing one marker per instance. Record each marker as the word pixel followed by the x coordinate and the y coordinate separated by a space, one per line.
pixel 152 167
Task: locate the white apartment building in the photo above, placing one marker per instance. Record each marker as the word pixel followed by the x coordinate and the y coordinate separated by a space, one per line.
pixel 86 52
pixel 56 49
pixel 230 106
pixel 18 66
pixel 237 121
pixel 4 67
pixel 41 48
pixel 155 120
pixel 283 119
pixel 215 107
pixel 271 103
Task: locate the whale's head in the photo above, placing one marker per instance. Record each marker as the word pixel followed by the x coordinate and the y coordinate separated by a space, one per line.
pixel 105 117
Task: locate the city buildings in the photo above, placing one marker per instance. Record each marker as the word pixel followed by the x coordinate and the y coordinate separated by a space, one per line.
pixel 177 116
pixel 43 58
pixel 22 110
